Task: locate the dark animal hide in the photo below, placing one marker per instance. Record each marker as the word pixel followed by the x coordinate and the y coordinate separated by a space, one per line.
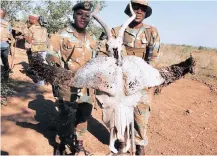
pixel 50 74
pixel 55 75
pixel 175 72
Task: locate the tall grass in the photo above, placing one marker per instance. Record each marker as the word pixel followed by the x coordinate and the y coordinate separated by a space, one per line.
pixel 206 61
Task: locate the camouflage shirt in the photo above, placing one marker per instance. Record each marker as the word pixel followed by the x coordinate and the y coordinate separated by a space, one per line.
pixel 72 50
pixel 143 42
pixel 38 36
pixel 5 31
pixel 69 51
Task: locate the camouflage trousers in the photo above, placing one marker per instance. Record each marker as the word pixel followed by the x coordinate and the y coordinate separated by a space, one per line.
pixel 141 117
pixel 72 120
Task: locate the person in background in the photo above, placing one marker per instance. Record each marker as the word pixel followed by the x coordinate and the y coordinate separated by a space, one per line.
pixel 6 43
pixel 37 40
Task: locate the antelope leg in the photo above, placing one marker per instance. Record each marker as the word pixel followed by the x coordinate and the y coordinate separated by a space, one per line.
pixel 112 141
pixel 127 147
pixel 133 138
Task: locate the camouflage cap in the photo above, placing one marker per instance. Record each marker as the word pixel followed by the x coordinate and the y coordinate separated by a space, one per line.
pixel 141 2
pixel 83 5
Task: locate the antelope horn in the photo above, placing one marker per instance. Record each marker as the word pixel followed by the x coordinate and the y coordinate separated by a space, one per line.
pixel 107 30
pixel 124 26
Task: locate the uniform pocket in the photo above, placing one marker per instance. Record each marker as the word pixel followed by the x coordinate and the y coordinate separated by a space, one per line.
pixel 128 39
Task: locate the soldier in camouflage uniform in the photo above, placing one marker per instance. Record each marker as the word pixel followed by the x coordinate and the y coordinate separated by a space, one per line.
pixel 71 48
pixel 37 40
pixel 6 37
pixel 141 40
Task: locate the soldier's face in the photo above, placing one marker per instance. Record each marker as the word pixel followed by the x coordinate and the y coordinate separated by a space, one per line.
pixel 140 12
pixel 81 18
pixel 32 20
pixel 2 13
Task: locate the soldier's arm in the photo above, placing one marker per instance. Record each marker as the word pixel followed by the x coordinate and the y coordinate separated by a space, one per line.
pixel 12 48
pixel 28 39
pixel 53 56
pixel 155 48
pixel 28 35
pixel 12 41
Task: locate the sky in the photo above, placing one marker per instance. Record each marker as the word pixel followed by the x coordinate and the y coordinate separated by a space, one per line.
pixel 178 22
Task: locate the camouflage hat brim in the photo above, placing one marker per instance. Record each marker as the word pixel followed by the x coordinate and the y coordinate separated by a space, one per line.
pixel 147 8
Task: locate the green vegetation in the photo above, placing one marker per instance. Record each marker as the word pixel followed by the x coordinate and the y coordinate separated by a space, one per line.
pixel 58 13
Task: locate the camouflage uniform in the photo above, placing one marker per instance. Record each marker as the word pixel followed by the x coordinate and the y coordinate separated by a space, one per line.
pixel 39 38
pixel 67 50
pixel 38 44
pixel 6 37
pixel 144 43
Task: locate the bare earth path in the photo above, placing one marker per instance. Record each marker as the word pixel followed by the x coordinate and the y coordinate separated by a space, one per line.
pixel 183 120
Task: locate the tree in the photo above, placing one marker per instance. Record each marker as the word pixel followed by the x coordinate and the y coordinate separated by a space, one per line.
pixel 93 28
pixel 13 7
pixel 59 14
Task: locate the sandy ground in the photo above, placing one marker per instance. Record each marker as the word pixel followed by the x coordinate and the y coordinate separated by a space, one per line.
pixel 183 120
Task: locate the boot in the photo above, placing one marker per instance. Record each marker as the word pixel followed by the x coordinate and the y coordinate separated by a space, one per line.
pixel 140 150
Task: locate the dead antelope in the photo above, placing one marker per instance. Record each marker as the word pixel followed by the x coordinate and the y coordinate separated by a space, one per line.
pixel 118 80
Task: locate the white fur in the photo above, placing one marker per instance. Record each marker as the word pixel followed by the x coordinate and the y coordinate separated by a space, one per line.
pixel 101 73
pixel 120 88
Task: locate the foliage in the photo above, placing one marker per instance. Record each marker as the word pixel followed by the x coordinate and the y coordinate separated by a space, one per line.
pixel 93 28
pixel 13 7
pixel 6 89
pixel 59 14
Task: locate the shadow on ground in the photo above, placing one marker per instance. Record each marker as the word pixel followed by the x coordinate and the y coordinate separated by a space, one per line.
pixel 4 153
pixel 98 130
pixel 19 88
pixel 45 115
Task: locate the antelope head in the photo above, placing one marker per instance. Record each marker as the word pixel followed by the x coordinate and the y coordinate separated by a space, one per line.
pixel 114 45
